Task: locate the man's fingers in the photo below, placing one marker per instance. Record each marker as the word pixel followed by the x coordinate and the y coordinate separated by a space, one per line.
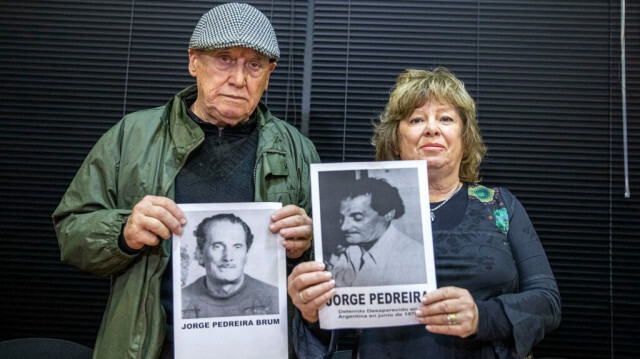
pixel 296 247
pixel 291 221
pixel 287 211
pixel 165 210
pixel 156 227
pixel 303 232
pixel 153 216
pixel 137 235
pixel 138 225
pixel 149 239
pixel 295 227
pixel 169 205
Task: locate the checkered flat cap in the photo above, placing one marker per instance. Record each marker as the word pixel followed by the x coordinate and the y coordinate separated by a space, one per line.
pixel 232 25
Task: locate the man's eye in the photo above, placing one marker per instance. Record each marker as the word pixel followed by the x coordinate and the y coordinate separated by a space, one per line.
pixel 255 65
pixel 224 59
pixel 357 217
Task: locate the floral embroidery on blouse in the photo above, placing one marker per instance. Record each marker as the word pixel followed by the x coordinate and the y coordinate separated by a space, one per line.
pixel 489 197
pixel 482 193
pixel 502 219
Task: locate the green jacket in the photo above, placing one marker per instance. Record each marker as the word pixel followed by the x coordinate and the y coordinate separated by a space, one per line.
pixel 141 155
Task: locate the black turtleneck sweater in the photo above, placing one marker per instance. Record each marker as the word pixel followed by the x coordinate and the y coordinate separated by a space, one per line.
pixel 220 170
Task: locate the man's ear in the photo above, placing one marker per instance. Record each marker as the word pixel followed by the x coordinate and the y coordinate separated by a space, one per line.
pixel 197 255
pixel 272 66
pixel 390 215
pixel 192 62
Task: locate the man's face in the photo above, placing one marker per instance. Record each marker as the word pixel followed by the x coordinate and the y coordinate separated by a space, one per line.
pixel 225 252
pixel 359 222
pixel 230 83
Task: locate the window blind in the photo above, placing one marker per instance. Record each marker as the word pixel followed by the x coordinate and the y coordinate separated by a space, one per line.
pixel 545 76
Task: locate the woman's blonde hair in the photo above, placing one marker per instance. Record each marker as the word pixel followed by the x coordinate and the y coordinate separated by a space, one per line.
pixel 413 89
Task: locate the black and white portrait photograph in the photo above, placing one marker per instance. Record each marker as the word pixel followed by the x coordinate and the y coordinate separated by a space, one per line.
pixel 371 227
pixel 223 243
pixel 376 233
pixel 229 276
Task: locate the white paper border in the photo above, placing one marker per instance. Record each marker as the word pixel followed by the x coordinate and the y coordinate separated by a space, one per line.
pixel 246 337
pixel 367 306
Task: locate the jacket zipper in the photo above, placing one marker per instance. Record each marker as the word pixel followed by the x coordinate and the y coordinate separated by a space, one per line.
pixel 146 291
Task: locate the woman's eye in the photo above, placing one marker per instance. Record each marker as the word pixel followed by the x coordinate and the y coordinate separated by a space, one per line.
pixel 446 119
pixel 415 121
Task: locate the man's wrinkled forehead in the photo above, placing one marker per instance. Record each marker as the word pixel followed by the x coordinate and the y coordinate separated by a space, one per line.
pixel 227 225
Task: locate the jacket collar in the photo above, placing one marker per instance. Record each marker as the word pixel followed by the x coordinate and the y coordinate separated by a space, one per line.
pixel 186 133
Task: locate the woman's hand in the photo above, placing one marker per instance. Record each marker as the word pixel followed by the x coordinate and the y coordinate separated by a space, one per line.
pixel 295 227
pixel 310 287
pixel 449 310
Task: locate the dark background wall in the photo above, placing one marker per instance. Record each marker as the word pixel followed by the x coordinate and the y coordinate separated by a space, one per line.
pixel 546 76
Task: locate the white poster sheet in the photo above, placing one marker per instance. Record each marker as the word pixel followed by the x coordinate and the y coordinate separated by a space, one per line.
pixel 222 245
pixel 372 229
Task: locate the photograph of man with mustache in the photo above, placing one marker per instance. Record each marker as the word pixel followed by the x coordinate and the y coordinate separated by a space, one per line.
pixel 223 242
pixel 374 252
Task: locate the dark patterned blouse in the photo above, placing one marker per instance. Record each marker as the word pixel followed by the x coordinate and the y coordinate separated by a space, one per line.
pixel 483 241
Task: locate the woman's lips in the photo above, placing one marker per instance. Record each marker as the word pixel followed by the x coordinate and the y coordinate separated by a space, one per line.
pixel 432 146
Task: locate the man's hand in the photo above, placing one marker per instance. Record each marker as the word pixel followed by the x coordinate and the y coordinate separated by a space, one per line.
pixel 310 287
pixel 153 218
pixel 295 226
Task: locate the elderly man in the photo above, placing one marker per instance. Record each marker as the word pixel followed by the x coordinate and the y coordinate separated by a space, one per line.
pixel 213 142
pixel 223 242
pixel 375 252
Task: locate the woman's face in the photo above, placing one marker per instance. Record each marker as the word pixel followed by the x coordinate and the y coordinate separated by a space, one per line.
pixel 433 132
